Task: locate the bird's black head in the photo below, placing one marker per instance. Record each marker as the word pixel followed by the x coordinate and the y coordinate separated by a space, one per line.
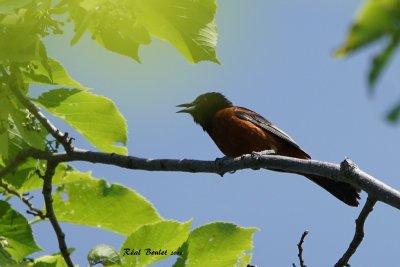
pixel 204 107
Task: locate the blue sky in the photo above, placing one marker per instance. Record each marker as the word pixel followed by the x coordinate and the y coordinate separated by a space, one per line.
pixel 276 59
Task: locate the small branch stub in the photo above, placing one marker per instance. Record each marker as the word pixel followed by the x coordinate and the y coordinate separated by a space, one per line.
pixel 300 249
pixel 347 167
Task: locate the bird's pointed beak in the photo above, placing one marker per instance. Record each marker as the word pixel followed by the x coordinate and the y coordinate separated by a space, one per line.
pixel 188 108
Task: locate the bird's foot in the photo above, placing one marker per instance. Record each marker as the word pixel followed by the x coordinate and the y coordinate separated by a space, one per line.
pixel 258 154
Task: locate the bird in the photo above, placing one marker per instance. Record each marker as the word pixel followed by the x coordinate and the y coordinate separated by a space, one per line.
pixel 237 131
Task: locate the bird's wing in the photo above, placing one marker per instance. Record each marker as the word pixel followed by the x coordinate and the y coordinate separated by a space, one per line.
pixel 263 123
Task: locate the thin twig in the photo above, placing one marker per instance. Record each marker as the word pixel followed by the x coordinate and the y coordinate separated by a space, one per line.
pixel 358 234
pixel 32 210
pixel 300 249
pixel 48 200
pixel 62 138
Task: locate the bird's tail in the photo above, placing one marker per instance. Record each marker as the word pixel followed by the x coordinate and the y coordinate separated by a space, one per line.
pixel 343 191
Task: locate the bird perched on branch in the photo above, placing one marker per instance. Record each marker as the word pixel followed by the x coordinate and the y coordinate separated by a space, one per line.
pixel 237 131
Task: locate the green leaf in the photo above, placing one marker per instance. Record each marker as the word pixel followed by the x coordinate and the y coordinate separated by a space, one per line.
pixel 16 233
pixel 376 19
pixel 6 259
pixel 394 114
pixel 52 72
pixel 28 129
pixel 105 255
pixel 123 37
pixel 18 128
pixel 218 244
pixel 16 52
pixel 55 260
pixel 95 117
pixel 188 25
pixel 97 203
pixel 154 242
pixel 18 39
pixel 380 61
pixel 122 26
pixel 113 25
pixel 81 27
pixel 25 177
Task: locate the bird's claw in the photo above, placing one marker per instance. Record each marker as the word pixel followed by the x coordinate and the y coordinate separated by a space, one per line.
pixel 258 154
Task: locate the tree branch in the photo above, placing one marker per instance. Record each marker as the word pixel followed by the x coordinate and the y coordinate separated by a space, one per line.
pixel 345 172
pixel 48 200
pixel 358 234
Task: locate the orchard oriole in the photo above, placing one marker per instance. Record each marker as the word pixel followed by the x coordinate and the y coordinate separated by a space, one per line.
pixel 237 131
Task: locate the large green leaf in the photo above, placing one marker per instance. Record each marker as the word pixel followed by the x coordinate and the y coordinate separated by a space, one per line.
pixel 50 71
pixel 95 117
pixel 154 242
pixel 188 25
pixel 218 244
pixel 97 203
pixel 16 233
pixel 112 24
pixel 375 19
pixel 122 25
